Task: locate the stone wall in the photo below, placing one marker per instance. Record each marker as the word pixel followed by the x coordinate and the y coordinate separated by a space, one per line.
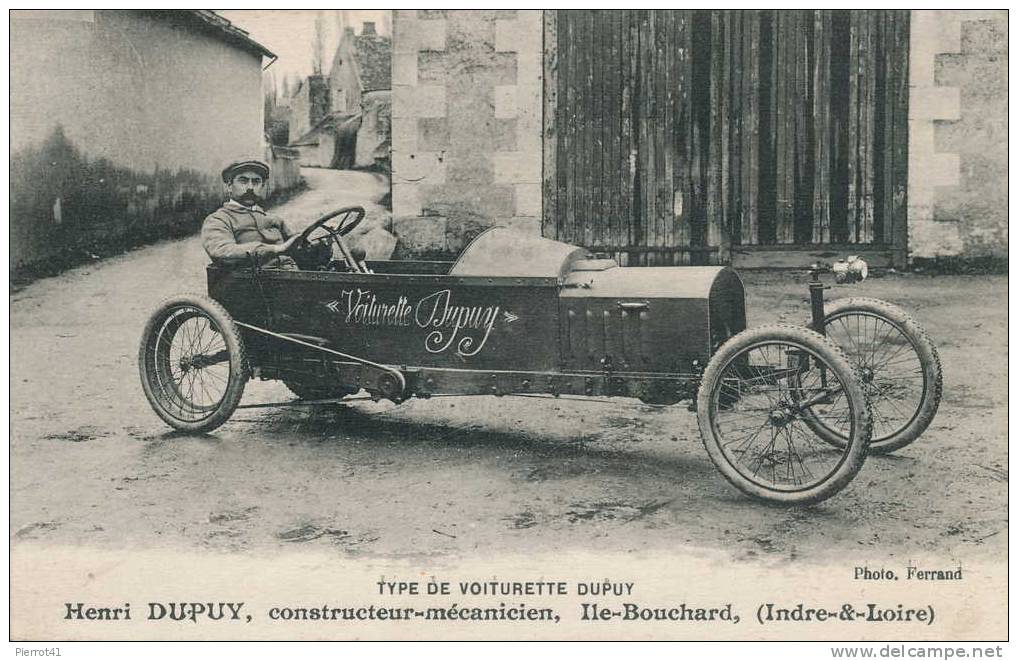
pixel 958 134
pixel 466 126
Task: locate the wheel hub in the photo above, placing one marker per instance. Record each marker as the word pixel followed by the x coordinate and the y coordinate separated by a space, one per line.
pixel 867 374
pixel 195 362
pixel 781 416
pixel 201 360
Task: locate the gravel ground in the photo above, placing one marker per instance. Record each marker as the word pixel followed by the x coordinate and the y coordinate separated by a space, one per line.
pixel 91 464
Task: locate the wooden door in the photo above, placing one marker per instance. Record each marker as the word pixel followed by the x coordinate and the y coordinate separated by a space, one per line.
pixel 690 137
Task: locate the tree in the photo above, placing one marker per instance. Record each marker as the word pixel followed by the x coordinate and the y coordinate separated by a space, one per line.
pixel 269 96
pixel 269 87
pixel 341 21
pixel 318 46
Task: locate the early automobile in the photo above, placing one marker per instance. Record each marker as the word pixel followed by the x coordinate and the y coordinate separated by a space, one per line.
pixel 787 413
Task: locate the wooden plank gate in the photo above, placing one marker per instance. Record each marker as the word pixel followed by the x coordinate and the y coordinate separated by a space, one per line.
pixel 695 137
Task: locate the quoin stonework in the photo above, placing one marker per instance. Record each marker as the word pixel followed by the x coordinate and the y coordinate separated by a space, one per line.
pixel 958 134
pixel 466 144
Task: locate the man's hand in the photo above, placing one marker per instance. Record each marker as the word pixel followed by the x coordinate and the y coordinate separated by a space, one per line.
pixel 279 248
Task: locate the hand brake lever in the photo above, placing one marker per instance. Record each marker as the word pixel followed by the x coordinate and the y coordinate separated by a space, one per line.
pixel 359 256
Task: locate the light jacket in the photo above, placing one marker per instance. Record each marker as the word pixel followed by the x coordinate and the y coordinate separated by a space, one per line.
pixel 233 232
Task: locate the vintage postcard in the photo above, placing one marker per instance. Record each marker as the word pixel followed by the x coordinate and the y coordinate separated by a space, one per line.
pixel 509 325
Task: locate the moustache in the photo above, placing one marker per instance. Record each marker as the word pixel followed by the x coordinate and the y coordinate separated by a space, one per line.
pixel 249 197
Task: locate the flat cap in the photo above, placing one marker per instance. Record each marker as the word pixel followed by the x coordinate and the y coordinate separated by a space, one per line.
pixel 245 164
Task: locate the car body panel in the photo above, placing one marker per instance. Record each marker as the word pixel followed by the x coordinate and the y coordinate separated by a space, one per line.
pixel 656 319
pixel 562 311
pixel 437 321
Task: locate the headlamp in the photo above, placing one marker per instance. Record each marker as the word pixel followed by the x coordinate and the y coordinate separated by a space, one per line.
pixel 852 269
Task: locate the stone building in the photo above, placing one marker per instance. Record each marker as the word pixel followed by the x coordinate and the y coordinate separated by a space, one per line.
pixel 362 64
pixel 121 122
pixel 758 138
pixel 348 126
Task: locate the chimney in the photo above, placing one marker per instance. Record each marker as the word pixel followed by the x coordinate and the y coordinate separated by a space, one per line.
pixel 368 28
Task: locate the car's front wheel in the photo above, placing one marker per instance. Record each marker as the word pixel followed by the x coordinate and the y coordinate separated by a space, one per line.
pixel 754 397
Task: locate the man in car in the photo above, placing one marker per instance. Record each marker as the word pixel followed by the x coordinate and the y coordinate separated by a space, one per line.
pixel 241 230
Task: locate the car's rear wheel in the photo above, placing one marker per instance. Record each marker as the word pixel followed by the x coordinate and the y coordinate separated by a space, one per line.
pixel 192 363
pixel 751 405
pixel 899 367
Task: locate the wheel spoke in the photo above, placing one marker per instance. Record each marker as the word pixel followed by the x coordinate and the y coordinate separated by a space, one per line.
pixel 185 386
pixel 896 381
pixel 755 410
pixel 885 357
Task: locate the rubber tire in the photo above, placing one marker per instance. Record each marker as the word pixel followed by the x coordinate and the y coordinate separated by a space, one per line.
pixel 928 358
pixel 239 371
pixel 855 395
pixel 311 392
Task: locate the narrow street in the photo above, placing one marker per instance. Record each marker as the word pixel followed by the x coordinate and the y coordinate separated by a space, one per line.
pixel 92 465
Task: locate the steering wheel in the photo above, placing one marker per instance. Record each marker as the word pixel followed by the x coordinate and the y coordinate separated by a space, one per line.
pixel 343 221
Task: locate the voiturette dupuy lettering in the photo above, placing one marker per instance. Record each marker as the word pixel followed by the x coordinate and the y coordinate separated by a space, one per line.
pixel 787 412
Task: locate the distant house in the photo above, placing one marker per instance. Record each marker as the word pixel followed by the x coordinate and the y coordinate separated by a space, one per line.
pixel 120 122
pixel 309 105
pixel 354 129
pixel 362 64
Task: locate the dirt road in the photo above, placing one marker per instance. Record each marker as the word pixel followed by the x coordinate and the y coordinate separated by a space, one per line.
pixel 92 465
